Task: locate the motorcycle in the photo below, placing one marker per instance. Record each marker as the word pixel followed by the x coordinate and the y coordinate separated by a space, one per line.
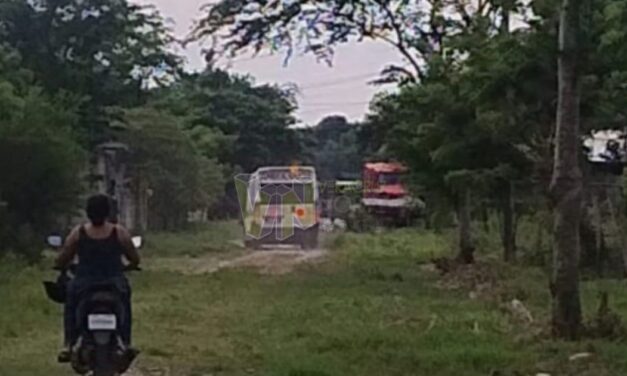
pixel 99 349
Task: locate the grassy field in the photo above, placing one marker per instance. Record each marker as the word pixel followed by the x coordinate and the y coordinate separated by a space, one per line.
pixel 219 237
pixel 373 308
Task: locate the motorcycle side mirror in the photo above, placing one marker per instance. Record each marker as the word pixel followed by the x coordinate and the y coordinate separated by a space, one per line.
pixel 55 241
pixel 138 241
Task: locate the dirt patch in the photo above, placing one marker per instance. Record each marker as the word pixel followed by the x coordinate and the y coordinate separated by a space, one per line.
pixel 134 372
pixel 275 262
pixel 151 371
pixel 267 261
pixel 191 265
pixel 484 279
pixel 490 281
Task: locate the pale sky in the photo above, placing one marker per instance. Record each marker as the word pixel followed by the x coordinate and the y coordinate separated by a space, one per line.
pixel 341 89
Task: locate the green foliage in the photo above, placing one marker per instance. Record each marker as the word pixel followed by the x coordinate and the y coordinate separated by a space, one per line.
pixel 373 309
pixel 419 32
pixel 105 52
pixel 242 125
pixel 39 157
pixel 463 125
pixel 480 117
pixel 603 92
pixel 106 64
pixel 201 240
pixel 337 152
pixel 181 179
pixel 39 165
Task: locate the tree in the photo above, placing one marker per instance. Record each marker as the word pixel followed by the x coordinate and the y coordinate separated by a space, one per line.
pixel 566 184
pixel 106 52
pixel 436 36
pixel 337 148
pixel 513 79
pixel 250 126
pixel 181 178
pixel 418 30
pixel 36 135
pixel 433 132
pixel 467 129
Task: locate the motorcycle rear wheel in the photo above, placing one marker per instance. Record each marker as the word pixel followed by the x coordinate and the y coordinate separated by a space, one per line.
pixel 103 365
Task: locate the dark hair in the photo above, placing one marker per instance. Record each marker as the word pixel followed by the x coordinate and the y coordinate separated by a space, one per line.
pixel 98 209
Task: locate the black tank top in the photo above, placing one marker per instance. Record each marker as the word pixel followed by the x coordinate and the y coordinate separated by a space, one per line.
pixel 99 259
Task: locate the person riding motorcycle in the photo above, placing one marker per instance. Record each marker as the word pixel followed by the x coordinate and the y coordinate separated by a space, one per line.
pixel 99 246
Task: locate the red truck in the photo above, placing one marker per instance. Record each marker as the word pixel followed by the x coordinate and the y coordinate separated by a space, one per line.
pixel 385 194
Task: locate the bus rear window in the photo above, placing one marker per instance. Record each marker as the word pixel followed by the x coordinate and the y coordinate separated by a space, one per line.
pixel 287 193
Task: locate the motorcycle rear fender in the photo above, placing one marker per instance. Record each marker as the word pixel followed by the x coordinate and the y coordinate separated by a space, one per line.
pixel 103 338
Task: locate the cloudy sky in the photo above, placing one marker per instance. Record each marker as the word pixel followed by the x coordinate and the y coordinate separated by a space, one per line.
pixel 340 89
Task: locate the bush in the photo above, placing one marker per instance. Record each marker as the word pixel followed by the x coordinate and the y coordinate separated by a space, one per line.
pixel 39 160
pixel 181 178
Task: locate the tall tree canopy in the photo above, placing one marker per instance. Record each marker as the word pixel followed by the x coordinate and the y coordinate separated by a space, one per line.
pixel 105 52
pixel 337 151
pixel 75 73
pixel 417 29
pixel 40 159
pixel 181 178
pixel 246 126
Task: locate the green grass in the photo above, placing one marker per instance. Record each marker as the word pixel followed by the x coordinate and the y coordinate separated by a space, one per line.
pixel 214 237
pixel 30 331
pixel 370 310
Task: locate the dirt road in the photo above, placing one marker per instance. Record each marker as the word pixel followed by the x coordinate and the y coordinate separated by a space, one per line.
pixel 274 261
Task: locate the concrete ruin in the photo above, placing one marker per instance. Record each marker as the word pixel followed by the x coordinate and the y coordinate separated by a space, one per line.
pixel 113 175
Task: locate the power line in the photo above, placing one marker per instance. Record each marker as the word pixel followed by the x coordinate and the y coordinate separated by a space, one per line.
pixel 324 84
pixel 320 111
pixel 337 82
pixel 335 103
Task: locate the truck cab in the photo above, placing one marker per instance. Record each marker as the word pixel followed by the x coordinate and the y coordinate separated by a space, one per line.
pixel 385 194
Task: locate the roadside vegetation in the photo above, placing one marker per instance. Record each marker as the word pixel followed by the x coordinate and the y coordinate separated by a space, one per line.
pixel 377 305
pixel 522 232
pixel 198 240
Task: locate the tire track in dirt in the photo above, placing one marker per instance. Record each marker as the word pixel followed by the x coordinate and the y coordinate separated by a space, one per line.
pixel 267 261
pixel 276 261
pixel 149 372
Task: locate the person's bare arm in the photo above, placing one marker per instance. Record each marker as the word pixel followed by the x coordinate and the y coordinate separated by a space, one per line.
pixel 70 248
pixel 129 248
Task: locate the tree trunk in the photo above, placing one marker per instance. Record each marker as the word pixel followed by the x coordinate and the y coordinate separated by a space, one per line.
pixel 466 247
pixel 566 183
pixel 506 8
pixel 599 237
pixel 616 209
pixel 589 244
pixel 509 224
pixel 508 235
pixel 539 243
